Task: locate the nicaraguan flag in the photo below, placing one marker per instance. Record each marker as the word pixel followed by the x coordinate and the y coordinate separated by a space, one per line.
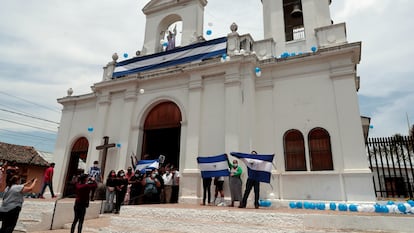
pixel 213 166
pixel 187 54
pixel 259 167
pixel 147 165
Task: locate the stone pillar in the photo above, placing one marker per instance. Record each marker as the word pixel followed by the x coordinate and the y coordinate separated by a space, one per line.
pixel 232 111
pixel 190 184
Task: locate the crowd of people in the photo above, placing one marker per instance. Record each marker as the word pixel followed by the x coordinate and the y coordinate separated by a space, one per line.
pixel 146 186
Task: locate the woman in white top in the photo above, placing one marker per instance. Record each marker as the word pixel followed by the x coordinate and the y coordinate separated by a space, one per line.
pixel 13 201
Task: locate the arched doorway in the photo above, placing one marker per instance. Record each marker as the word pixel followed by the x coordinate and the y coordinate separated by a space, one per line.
pixel 76 165
pixel 162 130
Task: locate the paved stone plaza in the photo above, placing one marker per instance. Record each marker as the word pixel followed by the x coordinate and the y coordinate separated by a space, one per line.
pixel 184 218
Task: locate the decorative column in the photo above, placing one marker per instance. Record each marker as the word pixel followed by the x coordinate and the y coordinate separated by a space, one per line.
pixel 190 184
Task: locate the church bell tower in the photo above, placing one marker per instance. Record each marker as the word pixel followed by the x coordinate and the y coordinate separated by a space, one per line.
pixel 292 23
pixel 162 14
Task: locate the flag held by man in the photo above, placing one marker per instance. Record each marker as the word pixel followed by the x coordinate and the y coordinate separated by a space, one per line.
pixel 259 167
pixel 213 166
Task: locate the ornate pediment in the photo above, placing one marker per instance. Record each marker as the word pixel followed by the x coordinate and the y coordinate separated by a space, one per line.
pixel 158 5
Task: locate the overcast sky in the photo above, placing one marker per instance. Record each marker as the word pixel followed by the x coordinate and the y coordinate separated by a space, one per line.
pixel 49 46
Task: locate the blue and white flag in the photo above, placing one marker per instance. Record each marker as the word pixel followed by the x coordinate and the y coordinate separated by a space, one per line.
pixel 147 165
pixel 187 54
pixel 259 167
pixel 213 166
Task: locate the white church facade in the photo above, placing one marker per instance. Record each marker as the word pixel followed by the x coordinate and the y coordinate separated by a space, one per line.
pixel 293 94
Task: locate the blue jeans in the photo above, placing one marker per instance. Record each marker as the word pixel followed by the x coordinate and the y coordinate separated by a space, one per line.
pixel 50 185
pixel 256 187
pixel 110 196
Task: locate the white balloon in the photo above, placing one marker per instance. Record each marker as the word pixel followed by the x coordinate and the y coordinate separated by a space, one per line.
pixel 141 91
pixel 162 41
pixel 258 74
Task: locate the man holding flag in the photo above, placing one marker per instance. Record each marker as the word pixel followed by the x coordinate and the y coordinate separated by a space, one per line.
pixel 259 168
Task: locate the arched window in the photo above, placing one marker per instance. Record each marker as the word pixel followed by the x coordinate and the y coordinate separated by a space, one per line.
pixel 320 152
pixel 294 151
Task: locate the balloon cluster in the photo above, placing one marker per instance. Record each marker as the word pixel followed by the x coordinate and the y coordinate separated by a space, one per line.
pixel 292 54
pixel 389 207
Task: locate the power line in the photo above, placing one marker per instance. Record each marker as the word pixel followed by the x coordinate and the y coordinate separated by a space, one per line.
pixel 34 117
pixel 28 101
pixel 27 125
pixel 25 134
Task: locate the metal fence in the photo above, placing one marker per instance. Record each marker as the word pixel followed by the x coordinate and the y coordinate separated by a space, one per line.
pixel 391 161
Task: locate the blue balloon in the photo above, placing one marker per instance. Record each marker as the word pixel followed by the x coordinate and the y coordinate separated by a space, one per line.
pixel 306 205
pixel 165 44
pixel 342 207
pixel 208 32
pixel 332 206
pixel 292 205
pixel 257 69
pixel 321 206
pixel 390 203
pixel 118 145
pixel 371 126
pixel 378 208
pixel 125 55
pixel 314 49
pixel 90 129
pixel 353 208
pixel 299 205
pixel 312 206
pixel 224 56
pixel 411 203
pixel 293 54
pixel 402 208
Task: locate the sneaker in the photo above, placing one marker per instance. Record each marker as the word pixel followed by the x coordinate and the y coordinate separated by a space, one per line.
pixel 221 204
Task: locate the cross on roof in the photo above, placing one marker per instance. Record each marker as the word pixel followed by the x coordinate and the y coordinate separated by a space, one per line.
pixel 105 148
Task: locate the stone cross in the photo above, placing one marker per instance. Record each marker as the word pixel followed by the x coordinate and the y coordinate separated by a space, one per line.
pixel 105 148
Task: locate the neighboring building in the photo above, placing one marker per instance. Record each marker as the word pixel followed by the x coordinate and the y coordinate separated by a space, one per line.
pixel 30 163
pixel 293 94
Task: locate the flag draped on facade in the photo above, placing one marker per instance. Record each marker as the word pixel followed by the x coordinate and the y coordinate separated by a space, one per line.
pixel 213 166
pixel 259 167
pixel 147 165
pixel 187 54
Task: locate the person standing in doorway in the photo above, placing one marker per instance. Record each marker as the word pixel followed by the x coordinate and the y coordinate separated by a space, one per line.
pixel 167 178
pixel 48 181
pixel 83 188
pixel 249 185
pixel 175 185
pixel 235 181
pixel 95 173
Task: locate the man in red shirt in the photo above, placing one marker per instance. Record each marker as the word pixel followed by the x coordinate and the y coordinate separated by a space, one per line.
pixel 83 188
pixel 48 180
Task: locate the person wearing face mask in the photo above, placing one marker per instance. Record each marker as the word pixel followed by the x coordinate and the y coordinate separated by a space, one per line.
pixel 235 181
pixel 128 175
pixel 120 190
pixel 151 183
pixel 110 191
pixel 167 178
pixel 95 173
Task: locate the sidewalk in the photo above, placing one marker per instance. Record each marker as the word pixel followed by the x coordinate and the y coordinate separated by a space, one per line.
pixel 182 218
